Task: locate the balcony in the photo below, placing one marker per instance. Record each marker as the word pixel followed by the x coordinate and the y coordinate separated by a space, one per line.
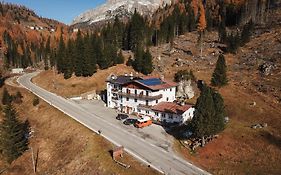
pixel 140 96
pixel 115 98
pixel 115 90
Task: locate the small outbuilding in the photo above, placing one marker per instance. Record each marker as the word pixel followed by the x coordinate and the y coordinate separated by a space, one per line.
pixel 17 71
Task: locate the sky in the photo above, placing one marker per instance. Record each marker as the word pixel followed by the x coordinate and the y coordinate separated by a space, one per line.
pixel 62 10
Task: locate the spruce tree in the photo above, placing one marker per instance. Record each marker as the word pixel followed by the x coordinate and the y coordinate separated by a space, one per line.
pixel 13 135
pixel 209 114
pixel 120 57
pixel 79 54
pixel 60 56
pixel 147 66
pixel 68 61
pixel 246 33
pixel 219 77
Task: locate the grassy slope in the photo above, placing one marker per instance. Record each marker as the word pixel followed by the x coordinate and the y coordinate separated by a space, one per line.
pixel 65 146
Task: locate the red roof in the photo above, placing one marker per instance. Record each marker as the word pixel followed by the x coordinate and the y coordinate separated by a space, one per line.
pixel 170 107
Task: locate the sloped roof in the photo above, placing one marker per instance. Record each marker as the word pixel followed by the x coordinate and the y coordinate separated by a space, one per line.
pixel 156 83
pixel 122 79
pixel 170 107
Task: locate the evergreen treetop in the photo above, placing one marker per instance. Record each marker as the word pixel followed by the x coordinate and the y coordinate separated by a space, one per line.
pixel 219 77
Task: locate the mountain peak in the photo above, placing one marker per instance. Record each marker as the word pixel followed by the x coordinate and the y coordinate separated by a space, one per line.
pixel 120 8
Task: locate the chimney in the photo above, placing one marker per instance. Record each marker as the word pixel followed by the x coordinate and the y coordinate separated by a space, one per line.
pixel 126 74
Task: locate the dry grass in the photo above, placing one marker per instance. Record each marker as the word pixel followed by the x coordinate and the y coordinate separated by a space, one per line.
pixel 65 146
pixel 78 85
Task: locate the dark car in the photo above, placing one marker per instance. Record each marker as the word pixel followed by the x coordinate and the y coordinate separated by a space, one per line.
pixel 122 116
pixel 130 121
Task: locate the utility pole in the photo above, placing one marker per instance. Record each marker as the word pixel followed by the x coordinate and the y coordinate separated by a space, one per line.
pixel 33 160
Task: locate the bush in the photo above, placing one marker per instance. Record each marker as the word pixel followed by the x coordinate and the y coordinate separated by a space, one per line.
pixel 35 101
pixel 184 75
pixel 18 98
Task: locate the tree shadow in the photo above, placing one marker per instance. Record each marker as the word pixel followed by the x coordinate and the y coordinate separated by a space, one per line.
pixel 272 139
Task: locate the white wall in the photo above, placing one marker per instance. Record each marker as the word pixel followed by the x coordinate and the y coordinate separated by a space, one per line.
pixel 188 115
pixel 168 96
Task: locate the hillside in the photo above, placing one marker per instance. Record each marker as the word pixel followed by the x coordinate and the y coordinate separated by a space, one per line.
pixel 252 96
pixel 64 146
pixel 247 86
pixel 22 28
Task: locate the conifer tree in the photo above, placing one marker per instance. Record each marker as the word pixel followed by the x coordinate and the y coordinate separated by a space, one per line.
pixel 120 57
pixel 147 66
pixel 61 55
pixel 7 98
pixel 13 135
pixel 79 54
pixel 68 60
pixel 138 59
pixel 136 31
pixel 246 33
pixel 219 77
pixel 209 114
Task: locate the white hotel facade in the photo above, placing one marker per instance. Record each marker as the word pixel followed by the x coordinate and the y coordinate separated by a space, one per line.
pixel 150 96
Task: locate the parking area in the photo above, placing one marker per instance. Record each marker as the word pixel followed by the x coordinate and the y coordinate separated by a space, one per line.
pixel 153 134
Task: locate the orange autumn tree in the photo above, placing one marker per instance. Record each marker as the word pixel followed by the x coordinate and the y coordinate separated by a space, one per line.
pixel 202 24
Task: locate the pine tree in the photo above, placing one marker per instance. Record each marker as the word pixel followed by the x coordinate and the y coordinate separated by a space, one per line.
pixel 246 33
pixel 120 57
pixel 13 137
pixel 209 114
pixel 138 59
pixel 60 56
pixel 68 60
pixel 147 66
pixel 219 77
pixel 137 27
pixel 7 98
pixel 79 54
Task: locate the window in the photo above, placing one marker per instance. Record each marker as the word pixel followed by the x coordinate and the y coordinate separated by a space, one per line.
pixel 171 116
pixel 136 100
pixel 156 113
pixel 146 93
pixel 127 99
pixel 146 102
pixel 171 89
pixel 136 92
pixel 156 101
pixel 167 98
pixel 128 91
pixel 147 112
pixel 139 110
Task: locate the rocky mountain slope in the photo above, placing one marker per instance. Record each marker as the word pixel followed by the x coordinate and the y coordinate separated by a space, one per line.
pixel 120 8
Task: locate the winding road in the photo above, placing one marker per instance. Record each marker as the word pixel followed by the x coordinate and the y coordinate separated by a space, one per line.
pixel 163 161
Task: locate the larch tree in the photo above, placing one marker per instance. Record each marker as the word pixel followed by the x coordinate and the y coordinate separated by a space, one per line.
pixel 202 24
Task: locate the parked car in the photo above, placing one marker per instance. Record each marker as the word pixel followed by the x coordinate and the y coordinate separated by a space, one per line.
pixel 130 121
pixel 143 122
pixel 122 116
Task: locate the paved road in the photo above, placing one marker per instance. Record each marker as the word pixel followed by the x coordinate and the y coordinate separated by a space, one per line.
pixel 159 159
